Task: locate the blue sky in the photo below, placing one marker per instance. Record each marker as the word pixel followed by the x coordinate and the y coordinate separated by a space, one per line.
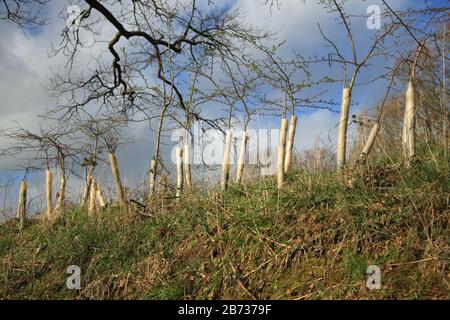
pixel 26 66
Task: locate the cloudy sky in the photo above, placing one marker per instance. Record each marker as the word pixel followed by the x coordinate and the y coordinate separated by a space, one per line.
pixel 26 66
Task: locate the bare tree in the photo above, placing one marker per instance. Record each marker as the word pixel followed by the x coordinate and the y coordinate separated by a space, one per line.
pixel 26 14
pixel 50 146
pixel 355 63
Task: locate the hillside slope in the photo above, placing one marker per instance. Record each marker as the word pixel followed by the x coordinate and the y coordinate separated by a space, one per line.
pixel 313 240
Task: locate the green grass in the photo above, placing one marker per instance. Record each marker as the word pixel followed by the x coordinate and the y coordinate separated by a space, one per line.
pixel 312 240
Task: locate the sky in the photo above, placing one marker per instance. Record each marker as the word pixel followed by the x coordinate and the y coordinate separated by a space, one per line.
pixel 26 66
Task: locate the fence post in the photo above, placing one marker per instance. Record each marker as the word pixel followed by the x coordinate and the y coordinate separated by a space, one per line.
pixel 22 205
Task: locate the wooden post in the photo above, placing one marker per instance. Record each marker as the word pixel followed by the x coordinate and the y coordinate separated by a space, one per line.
pixel 179 171
pixel 359 140
pixel 187 165
pixel 318 161
pixel 226 161
pixel 317 156
pixel 152 179
pixel 241 160
pixel 411 129
pixel 118 182
pixel 86 191
pixel 48 192
pixel 290 143
pixel 281 152
pixel 22 205
pixel 92 209
pixel 100 197
pixel 342 134
pixel 370 141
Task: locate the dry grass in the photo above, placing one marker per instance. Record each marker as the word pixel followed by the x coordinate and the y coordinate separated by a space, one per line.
pixel 313 240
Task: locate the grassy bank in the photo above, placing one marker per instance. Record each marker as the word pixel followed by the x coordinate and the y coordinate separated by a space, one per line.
pixel 313 240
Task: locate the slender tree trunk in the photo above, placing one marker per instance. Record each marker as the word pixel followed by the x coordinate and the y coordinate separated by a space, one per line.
pixel 241 160
pixel 100 197
pixel 226 161
pixel 445 114
pixel 61 202
pixel 118 182
pixel 187 165
pixel 317 156
pixel 22 205
pixel 359 139
pixel 370 141
pixel 92 209
pixel 405 127
pixel 152 180
pixel 154 162
pixel 281 152
pixel 318 160
pixel 342 134
pixel 445 135
pixel 411 120
pixel 179 153
pixel 49 192
pixel 290 143
pixel 86 191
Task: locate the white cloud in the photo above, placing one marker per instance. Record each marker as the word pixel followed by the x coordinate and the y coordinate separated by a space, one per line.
pixel 25 68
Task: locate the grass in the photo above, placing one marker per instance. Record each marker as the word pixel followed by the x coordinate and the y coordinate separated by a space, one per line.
pixel 312 240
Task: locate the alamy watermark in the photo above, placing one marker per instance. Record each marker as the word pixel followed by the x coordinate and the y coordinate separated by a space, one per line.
pixel 207 146
pixel 73 282
pixel 374 277
pixel 73 24
pixel 374 20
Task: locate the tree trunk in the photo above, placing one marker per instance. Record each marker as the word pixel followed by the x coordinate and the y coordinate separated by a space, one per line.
pixel 445 135
pixel 405 126
pixel 187 165
pixel 92 209
pixel 317 156
pixel 281 152
pixel 370 141
pixel 154 162
pixel 359 141
pixel 61 202
pixel 290 143
pixel 342 134
pixel 22 205
pixel 226 161
pixel 86 191
pixel 118 182
pixel 49 192
pixel 411 106
pixel 100 197
pixel 241 160
pixel 152 180
pixel 179 172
